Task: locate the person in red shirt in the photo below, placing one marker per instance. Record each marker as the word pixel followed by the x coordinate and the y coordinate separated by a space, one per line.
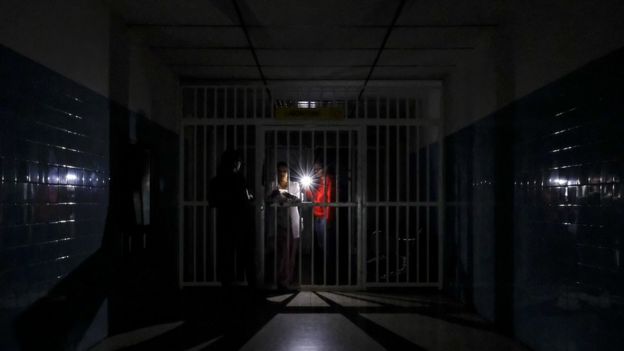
pixel 320 192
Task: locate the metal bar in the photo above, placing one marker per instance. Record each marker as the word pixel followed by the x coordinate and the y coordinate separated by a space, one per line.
pixel 263 105
pixel 349 188
pixel 313 224
pixel 235 115
pixel 225 103
pixel 362 211
pixel 245 147
pixel 255 104
pixel 205 194
pixel 325 208
pixel 344 124
pixel 396 212
pixel 195 160
pixel 205 90
pixel 387 166
pixel 441 197
pixel 337 192
pixel 417 208
pixel 408 130
pixel 214 210
pixel 260 150
pixel 245 114
pixel 302 197
pixel 195 103
pixel 181 174
pixel 274 170
pixel 215 116
pixel 428 190
pixel 378 166
pixel 289 240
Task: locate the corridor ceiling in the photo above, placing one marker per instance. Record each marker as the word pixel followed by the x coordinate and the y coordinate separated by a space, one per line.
pixel 320 40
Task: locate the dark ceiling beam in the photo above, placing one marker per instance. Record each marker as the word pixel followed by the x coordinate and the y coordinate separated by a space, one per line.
pixel 251 47
pixel 383 45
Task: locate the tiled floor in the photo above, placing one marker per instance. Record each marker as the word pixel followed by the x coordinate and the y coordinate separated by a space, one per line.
pixel 322 321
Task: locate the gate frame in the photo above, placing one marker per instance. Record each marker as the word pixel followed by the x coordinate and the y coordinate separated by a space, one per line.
pixel 435 113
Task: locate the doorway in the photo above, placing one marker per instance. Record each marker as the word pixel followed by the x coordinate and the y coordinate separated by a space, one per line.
pixel 326 249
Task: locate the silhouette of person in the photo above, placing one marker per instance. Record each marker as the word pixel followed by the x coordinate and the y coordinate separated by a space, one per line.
pixel 235 219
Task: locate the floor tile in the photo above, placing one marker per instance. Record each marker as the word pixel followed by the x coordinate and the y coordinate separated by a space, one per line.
pixel 311 331
pixel 307 299
pixel 386 300
pixel 434 334
pixel 348 301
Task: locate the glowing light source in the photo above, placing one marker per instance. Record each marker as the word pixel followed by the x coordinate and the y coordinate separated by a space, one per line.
pixel 71 177
pixel 306 181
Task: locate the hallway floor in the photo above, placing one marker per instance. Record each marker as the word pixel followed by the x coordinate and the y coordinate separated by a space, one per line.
pixel 317 320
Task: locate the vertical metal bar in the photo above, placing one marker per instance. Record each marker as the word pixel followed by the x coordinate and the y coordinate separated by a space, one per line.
pixel 181 174
pixel 260 150
pixel 214 210
pixel 313 219
pixel 255 103
pixel 245 147
pixel 387 166
pixel 408 130
pixel 215 92
pixel 325 208
pixel 205 193
pixel 263 105
pixel 337 192
pixel 289 239
pixel 225 103
pixel 418 206
pixel 441 195
pixel 275 256
pixel 205 102
pixel 235 103
pixel 397 109
pixel 350 170
pixel 195 102
pixel 396 187
pixel 378 166
pixel 428 197
pixel 245 114
pixel 302 197
pixel 362 209
pixel 194 197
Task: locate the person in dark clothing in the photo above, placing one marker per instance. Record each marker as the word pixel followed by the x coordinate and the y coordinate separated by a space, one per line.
pixel 235 219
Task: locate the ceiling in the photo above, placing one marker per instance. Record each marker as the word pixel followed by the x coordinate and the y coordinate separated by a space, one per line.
pixel 284 40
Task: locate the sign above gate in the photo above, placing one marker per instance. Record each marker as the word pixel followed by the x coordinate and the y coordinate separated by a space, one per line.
pixel 321 113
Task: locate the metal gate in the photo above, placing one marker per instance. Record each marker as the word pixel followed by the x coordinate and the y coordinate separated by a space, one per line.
pixel 384 157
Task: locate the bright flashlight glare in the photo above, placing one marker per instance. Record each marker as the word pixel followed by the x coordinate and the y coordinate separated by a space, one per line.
pixel 306 181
